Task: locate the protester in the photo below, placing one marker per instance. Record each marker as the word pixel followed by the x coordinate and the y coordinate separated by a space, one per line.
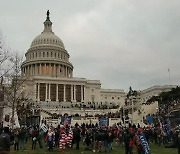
pixel 108 140
pixel 77 136
pixel 126 136
pixel 57 137
pixel 63 136
pixel 40 138
pixel 137 143
pixel 5 141
pixel 97 138
pixel 50 139
pixel 22 138
pixel 16 139
pixel 88 138
pixel 131 146
pixel 34 137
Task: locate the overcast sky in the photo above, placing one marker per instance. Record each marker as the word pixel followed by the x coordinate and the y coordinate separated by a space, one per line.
pixel 122 43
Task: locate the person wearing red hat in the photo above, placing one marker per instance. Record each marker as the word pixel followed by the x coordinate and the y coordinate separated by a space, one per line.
pixel 137 142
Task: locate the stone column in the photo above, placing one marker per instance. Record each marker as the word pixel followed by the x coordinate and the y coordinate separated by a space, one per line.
pixel 40 69
pixel 27 70
pixel 24 71
pixel 32 69
pixel 57 93
pixel 38 99
pixel 58 70
pixel 66 71
pixel 46 98
pixel 45 69
pixel 62 68
pixel 49 92
pixel 75 93
pixel 82 93
pixel 64 93
pixel 72 93
pixel 36 68
pixel 54 71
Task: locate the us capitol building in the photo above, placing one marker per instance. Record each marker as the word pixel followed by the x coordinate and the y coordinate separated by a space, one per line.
pixel 51 86
pixel 50 82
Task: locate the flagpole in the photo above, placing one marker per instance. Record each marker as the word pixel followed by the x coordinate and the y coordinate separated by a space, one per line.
pixel 169 76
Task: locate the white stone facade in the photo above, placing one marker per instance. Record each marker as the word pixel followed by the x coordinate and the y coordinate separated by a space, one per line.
pixel 146 94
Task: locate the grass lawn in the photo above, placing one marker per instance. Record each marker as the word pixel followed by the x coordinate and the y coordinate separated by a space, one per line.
pixel 116 150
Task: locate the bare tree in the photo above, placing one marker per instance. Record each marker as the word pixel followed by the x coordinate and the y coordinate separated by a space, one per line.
pixel 5 56
pixel 11 80
pixel 15 91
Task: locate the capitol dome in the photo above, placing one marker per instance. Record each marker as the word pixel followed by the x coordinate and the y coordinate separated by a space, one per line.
pixel 47 55
pixel 47 37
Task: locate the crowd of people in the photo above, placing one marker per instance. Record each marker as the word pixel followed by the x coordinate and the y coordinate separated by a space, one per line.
pixel 93 137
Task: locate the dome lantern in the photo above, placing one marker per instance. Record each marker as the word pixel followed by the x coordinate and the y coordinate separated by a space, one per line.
pixel 47 23
pixel 47 37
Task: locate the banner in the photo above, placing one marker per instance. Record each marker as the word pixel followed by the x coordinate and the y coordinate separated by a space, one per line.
pixel 44 127
pixel 103 122
pixel 65 120
pixel 144 143
pixel 149 119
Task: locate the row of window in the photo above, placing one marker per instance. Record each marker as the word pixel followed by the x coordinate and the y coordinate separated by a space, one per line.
pixel 47 54
pixel 45 41
pixel 92 90
pixel 48 69
pixel 111 97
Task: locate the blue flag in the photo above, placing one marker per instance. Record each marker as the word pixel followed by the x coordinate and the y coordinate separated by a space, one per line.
pixel 144 143
pixel 65 120
pixel 103 121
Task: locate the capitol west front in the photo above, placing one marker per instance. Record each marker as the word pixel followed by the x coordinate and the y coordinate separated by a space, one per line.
pixel 50 82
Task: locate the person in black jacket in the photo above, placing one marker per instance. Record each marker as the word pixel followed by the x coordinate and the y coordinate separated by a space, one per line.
pixel 108 140
pixel 88 138
pixel 5 141
pixel 126 136
pixel 77 136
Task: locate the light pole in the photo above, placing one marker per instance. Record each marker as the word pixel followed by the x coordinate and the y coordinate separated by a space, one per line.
pixel 132 109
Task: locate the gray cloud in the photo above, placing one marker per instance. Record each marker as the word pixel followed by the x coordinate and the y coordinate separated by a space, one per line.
pixel 119 42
